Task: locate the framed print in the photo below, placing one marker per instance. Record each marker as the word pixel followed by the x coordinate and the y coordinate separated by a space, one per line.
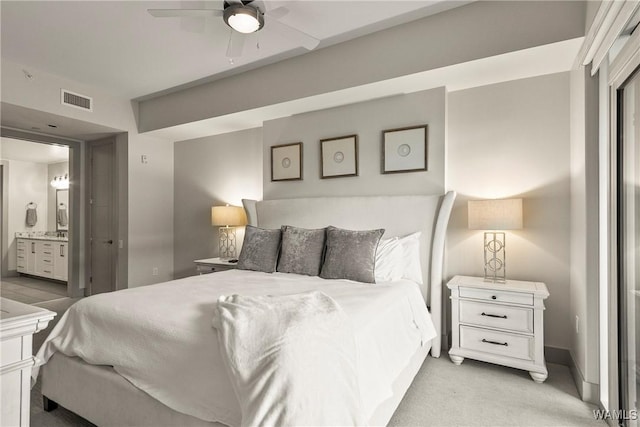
pixel 339 156
pixel 405 149
pixel 286 162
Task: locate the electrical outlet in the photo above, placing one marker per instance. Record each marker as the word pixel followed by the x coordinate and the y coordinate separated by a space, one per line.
pixel 144 159
pixel 154 271
pixel 577 325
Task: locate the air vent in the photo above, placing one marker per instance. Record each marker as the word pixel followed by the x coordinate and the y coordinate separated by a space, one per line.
pixel 76 100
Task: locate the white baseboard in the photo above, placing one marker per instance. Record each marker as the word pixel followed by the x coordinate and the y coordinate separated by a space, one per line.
pixel 589 392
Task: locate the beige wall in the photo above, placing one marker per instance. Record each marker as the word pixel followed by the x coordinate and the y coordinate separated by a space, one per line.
pixel 512 140
pixel 584 229
pixel 367 120
pixel 210 172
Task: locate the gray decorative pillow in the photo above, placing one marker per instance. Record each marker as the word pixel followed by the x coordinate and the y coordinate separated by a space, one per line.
pixel 259 249
pixel 351 254
pixel 301 251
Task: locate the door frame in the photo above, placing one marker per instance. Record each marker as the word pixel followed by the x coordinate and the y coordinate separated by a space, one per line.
pixel 75 281
pixel 4 235
pixel 614 76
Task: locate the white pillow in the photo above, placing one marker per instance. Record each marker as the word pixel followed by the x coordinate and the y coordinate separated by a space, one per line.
pixel 389 260
pixel 411 268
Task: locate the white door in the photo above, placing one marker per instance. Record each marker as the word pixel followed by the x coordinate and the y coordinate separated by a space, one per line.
pixel 102 276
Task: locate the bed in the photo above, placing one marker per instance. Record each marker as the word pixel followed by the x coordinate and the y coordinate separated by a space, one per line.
pixel 168 325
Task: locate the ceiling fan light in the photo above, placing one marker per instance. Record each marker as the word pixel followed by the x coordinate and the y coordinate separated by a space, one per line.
pixel 244 19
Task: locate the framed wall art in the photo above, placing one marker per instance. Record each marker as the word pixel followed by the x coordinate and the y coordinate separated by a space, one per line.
pixel 405 149
pixel 339 157
pixel 286 162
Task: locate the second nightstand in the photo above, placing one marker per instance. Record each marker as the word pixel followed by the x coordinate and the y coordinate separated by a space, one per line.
pixel 213 265
pixel 501 323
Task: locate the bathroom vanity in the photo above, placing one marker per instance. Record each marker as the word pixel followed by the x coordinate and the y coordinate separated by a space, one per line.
pixel 43 256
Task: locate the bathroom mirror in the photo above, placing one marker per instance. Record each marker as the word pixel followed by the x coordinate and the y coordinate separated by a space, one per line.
pixel 62 210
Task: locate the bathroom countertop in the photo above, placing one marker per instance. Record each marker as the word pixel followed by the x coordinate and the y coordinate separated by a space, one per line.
pixel 40 237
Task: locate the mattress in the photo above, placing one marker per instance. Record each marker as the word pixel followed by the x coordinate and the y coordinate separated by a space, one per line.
pixel 160 337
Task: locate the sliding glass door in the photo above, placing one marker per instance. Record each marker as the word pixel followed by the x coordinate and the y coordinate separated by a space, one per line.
pixel 629 246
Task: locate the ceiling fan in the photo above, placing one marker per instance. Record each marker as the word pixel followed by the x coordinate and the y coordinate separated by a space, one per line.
pixel 244 17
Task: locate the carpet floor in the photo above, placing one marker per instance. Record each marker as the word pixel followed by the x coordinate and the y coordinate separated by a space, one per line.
pixel 443 394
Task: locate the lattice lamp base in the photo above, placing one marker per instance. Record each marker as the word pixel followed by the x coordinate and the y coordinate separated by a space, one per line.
pixel 494 257
pixel 227 243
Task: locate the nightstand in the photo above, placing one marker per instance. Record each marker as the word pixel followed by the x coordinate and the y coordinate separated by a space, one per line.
pixel 213 265
pixel 501 323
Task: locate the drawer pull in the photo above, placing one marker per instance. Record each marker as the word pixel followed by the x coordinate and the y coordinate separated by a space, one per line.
pixel 494 315
pixel 494 297
pixel 506 344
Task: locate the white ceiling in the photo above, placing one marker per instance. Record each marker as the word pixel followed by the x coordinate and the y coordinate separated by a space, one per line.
pixel 25 151
pixel 119 47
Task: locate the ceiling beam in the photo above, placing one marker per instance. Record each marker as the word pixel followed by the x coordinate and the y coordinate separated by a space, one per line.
pixel 468 33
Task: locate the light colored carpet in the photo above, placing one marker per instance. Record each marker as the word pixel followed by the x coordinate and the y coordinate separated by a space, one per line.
pixel 482 394
pixel 442 394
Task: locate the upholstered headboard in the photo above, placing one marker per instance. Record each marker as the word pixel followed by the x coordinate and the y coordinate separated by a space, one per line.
pixel 398 215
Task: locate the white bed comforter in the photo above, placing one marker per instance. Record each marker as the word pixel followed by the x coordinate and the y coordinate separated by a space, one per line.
pixel 292 359
pixel 161 337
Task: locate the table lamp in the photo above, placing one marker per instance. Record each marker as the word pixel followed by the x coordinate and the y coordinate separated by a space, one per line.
pixel 494 215
pixel 227 218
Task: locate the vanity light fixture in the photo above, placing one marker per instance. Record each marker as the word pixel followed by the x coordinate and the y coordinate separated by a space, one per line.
pixel 243 18
pixel 60 182
pixel 227 218
pixel 493 215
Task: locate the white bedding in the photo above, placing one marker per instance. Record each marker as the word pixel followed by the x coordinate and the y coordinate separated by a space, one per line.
pixel 292 359
pixel 161 339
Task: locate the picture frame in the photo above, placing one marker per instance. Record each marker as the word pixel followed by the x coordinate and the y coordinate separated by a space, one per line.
pixel 286 162
pixel 339 157
pixel 405 149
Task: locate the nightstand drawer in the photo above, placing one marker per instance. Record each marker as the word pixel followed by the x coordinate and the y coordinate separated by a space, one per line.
pixel 497 296
pixel 497 316
pixel 500 343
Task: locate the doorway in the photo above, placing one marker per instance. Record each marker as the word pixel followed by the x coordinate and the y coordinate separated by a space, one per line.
pixel 35 246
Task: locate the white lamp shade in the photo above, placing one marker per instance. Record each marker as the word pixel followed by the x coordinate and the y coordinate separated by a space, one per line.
pixel 228 216
pixel 504 214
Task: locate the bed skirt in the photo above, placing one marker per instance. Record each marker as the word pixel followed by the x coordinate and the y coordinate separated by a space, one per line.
pixel 100 395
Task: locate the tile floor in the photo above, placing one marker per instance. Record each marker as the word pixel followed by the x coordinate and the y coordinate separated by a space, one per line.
pixel 30 290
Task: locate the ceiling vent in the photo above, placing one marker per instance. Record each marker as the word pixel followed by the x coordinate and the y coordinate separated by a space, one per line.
pixel 76 100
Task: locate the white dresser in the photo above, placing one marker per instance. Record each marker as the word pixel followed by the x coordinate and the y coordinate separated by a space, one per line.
pixel 18 322
pixel 501 323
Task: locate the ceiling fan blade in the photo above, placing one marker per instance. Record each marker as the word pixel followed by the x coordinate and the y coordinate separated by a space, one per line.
pixel 236 44
pixel 305 40
pixel 183 13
